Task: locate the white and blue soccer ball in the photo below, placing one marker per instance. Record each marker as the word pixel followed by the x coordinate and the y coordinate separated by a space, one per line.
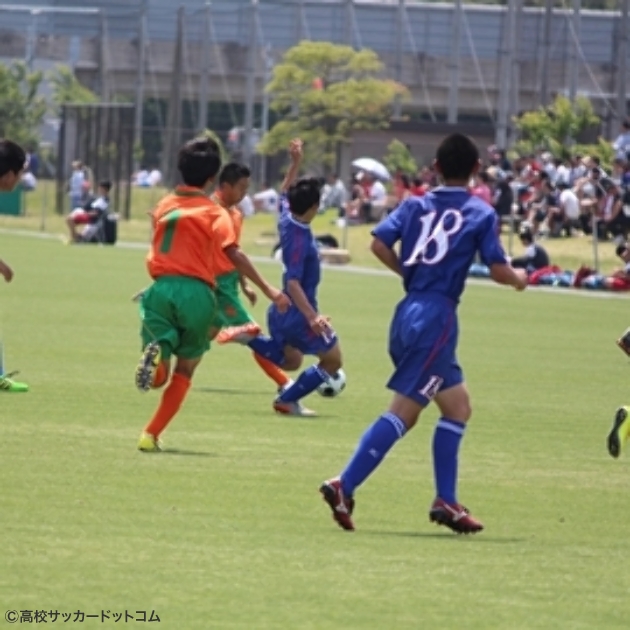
pixel 333 386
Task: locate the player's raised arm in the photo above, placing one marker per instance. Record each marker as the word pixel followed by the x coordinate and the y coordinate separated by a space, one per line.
pixel 5 271
pixel 295 152
pixel 493 256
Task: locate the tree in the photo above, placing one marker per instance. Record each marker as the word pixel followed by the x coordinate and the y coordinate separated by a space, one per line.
pixel 323 92
pixel 399 158
pixel 22 110
pixel 66 88
pixel 556 128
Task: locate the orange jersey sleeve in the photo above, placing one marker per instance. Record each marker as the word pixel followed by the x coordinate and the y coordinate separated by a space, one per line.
pixel 184 238
pixel 228 234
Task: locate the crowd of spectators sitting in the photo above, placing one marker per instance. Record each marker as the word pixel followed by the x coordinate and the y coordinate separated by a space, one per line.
pixel 556 197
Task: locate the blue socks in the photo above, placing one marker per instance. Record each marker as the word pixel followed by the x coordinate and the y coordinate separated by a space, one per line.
pixel 268 348
pixel 374 445
pixel 448 434
pixel 306 383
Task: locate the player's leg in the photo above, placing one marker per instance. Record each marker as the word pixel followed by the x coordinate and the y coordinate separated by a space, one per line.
pixel 377 440
pixel 329 353
pixel 233 314
pixel 454 403
pixel 620 431
pixel 193 304
pixel 171 402
pixel 159 336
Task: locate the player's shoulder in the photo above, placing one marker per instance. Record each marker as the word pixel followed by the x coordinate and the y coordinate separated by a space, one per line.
pixel 477 210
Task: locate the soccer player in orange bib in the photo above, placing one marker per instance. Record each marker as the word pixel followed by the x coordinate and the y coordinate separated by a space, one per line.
pixel 233 184
pixel 12 165
pixel 178 309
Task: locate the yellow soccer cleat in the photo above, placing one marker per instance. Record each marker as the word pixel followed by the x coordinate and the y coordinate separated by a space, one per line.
pixel 149 444
pixel 149 363
pixel 620 431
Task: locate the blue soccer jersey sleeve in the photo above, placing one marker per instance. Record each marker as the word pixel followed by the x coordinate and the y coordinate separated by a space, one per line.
pixel 390 229
pixel 490 248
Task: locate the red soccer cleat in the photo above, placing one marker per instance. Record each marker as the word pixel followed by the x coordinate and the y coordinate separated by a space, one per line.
pixel 341 506
pixel 238 334
pixel 454 516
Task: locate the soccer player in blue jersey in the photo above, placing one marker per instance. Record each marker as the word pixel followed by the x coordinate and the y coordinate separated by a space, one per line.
pixel 302 329
pixel 439 235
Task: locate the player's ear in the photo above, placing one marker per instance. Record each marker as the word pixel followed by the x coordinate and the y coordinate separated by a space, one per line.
pixel 436 167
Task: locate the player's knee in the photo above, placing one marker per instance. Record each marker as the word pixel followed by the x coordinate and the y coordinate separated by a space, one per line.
pixel 331 365
pixel 460 410
pixel 292 359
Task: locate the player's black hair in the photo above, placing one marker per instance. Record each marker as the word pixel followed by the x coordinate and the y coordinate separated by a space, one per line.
pixel 405 181
pixel 303 195
pixel 198 161
pixel 12 157
pixel 233 172
pixel 457 157
pixel 106 185
pixel 621 249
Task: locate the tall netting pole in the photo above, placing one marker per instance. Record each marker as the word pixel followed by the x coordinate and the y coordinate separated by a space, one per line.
pixel 455 61
pixel 622 64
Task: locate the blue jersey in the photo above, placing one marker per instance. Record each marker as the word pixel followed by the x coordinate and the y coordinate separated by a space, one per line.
pixel 439 235
pixel 299 253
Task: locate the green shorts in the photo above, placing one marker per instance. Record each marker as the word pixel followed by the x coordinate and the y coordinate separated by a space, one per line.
pixel 230 311
pixel 177 311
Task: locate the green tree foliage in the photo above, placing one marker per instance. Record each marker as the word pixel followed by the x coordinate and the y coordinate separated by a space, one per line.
pixel 22 110
pixel 66 88
pixel 208 133
pixel 399 157
pixel 555 128
pixel 323 92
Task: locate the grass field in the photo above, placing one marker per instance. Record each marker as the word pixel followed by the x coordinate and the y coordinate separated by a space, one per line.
pixel 567 253
pixel 228 531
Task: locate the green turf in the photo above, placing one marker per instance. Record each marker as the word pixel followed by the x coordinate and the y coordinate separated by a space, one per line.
pixel 231 533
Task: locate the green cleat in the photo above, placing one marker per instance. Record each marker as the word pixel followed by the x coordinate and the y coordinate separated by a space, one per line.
pixel 7 384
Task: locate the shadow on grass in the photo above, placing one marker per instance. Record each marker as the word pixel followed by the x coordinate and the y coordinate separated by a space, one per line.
pixel 184 452
pixel 447 535
pixel 233 392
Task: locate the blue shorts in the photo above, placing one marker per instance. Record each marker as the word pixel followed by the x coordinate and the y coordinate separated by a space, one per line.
pixel 292 329
pixel 422 346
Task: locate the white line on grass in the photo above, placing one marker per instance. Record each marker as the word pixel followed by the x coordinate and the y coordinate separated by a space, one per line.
pixel 366 271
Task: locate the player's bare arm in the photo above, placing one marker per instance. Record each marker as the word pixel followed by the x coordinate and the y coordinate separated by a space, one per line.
pixel 319 323
pixel 244 265
pixel 386 255
pixel 6 271
pixel 248 292
pixel 295 152
pixel 507 275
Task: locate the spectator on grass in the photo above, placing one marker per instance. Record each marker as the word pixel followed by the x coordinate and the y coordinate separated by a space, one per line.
pixel 569 206
pixel 76 186
pixel 622 143
pixel 90 216
pixel 611 215
pixel 535 256
pixel 266 200
pixel 334 194
pixel 481 187
pixel 503 199
pixel 618 280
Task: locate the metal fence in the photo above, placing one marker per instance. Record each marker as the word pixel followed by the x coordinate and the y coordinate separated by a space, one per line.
pixel 210 62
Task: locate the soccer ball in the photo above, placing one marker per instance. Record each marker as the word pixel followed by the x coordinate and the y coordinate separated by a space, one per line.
pixel 333 386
